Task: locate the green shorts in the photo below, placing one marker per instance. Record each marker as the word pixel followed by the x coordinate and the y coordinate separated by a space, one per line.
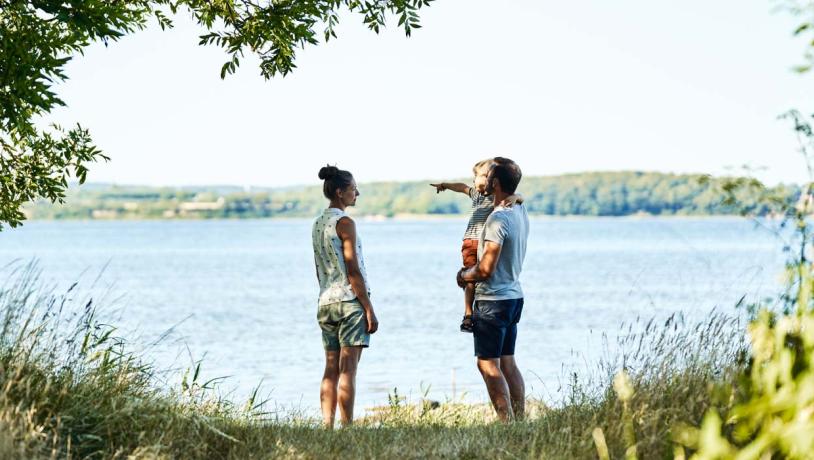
pixel 343 324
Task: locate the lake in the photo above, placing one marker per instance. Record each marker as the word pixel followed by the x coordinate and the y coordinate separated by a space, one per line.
pixel 241 294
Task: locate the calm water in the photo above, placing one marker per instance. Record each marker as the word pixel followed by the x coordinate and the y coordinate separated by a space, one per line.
pixel 242 294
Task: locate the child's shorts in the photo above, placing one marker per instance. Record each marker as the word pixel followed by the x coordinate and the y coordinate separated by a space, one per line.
pixel 469 253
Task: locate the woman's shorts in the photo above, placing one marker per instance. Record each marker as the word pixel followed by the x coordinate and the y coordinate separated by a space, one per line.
pixel 343 324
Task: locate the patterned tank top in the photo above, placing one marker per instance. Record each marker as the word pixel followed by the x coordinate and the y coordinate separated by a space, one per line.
pixel 330 261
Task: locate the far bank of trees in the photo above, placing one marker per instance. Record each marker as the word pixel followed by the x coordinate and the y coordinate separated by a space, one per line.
pixel 583 194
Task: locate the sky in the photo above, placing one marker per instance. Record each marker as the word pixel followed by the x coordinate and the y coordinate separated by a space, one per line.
pixel 558 86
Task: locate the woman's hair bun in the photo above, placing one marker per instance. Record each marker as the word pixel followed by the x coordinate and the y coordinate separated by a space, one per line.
pixel 327 172
pixel 335 179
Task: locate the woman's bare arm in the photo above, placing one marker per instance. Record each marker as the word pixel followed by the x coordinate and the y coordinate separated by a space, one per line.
pixel 346 229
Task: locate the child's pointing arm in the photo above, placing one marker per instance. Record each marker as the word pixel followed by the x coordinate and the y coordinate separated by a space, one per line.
pixel 454 186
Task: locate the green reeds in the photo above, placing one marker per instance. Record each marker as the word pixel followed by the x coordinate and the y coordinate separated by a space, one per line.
pixel 70 388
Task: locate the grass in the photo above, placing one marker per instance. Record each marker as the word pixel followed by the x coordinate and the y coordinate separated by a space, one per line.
pixel 69 388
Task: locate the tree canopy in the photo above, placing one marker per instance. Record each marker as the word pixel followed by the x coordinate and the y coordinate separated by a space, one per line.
pixel 39 37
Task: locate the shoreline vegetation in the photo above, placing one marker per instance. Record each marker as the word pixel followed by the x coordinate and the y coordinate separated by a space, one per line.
pixel 70 388
pixel 605 194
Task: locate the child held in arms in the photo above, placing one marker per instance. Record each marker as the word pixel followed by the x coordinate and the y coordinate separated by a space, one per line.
pixel 482 207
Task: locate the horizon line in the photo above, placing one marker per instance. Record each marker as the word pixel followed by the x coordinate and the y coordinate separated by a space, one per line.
pixel 316 183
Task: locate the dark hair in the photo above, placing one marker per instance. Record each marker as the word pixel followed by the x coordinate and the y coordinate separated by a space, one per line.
pixel 507 172
pixel 334 178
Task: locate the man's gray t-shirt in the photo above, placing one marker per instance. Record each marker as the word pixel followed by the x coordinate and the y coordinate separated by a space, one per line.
pixel 509 227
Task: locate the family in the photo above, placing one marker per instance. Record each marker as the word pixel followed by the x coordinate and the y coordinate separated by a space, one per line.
pixel 494 246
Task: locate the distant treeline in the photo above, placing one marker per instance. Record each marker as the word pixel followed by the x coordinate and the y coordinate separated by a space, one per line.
pixel 583 194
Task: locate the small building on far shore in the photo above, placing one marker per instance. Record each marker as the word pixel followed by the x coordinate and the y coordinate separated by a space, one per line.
pixel 192 206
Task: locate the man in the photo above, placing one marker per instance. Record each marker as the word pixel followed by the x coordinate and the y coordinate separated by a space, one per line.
pixel 498 296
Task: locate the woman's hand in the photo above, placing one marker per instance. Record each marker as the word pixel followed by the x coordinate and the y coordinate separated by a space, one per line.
pixel 372 321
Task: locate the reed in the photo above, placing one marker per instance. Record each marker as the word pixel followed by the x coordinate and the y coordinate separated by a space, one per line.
pixel 71 388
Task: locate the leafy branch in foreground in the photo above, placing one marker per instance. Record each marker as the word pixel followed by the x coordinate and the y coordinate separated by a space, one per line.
pixel 39 37
pixel 765 410
pixel 774 417
pixel 274 30
pixel 803 9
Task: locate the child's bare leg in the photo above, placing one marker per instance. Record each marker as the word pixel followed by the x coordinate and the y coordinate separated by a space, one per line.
pixel 469 298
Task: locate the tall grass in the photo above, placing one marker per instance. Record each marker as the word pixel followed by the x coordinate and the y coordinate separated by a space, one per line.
pixel 70 388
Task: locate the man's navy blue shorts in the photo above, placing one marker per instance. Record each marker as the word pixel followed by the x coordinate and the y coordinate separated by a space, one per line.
pixel 495 327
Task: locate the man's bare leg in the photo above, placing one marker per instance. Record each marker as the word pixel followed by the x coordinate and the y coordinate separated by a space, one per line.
pixel 327 390
pixel 517 388
pixel 496 386
pixel 348 362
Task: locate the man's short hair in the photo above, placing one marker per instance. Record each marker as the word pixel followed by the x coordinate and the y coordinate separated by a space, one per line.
pixel 508 173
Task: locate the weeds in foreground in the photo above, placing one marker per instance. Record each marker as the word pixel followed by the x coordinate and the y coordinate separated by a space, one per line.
pixel 69 388
pixel 774 414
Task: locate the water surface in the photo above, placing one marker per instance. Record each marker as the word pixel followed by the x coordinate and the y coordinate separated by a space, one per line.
pixel 241 294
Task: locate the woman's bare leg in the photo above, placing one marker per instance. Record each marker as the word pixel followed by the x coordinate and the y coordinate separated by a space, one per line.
pixel 327 391
pixel 348 362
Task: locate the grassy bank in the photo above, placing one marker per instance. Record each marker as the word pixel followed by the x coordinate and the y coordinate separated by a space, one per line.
pixel 69 388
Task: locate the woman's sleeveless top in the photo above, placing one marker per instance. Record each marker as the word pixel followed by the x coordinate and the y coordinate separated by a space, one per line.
pixel 330 261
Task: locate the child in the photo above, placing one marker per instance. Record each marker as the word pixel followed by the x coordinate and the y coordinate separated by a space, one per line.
pixel 482 207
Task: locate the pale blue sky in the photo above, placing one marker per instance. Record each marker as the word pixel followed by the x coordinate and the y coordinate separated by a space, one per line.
pixel 559 86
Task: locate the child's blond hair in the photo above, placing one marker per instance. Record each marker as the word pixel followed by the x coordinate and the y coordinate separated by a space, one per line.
pixel 482 163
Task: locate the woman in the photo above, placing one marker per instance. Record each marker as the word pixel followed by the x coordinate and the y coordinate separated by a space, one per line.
pixel 345 313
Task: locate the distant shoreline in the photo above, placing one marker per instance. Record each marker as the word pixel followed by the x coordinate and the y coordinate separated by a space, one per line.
pixel 407 218
pixel 631 194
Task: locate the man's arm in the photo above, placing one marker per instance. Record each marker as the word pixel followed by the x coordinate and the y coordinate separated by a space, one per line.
pixel 346 230
pixel 494 233
pixel 484 268
pixel 454 186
